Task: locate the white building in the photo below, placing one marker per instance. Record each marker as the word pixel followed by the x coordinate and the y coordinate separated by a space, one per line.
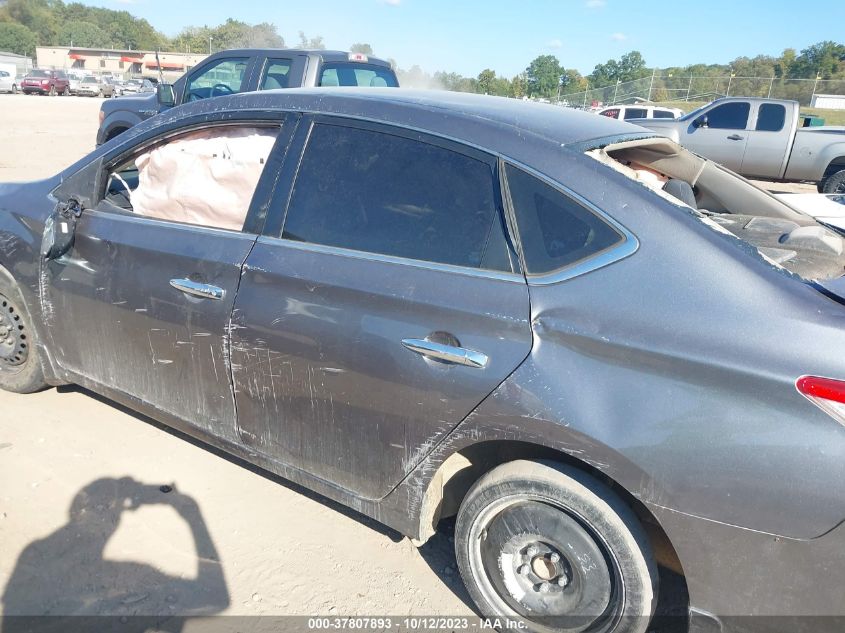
pixel 125 63
pixel 831 102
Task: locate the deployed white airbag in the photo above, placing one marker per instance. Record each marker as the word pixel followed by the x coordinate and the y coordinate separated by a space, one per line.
pixel 206 177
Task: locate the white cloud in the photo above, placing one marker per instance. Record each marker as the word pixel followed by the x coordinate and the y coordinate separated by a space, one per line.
pixel 555 43
pixel 392 3
pixel 595 4
pixel 619 37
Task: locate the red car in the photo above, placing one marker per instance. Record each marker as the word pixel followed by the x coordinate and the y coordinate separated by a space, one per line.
pixel 51 82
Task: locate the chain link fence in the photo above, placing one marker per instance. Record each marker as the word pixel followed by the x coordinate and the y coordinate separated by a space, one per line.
pixel 692 88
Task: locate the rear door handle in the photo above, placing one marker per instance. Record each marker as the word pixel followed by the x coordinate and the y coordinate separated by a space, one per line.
pixel 195 289
pixel 448 353
pixel 735 137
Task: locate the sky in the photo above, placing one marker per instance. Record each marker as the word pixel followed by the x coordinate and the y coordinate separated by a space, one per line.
pixel 467 36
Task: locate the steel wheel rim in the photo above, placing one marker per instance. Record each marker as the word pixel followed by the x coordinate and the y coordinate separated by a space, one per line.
pixel 14 339
pixel 491 581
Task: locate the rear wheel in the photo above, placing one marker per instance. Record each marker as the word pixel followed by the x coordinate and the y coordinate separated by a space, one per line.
pixel 66 91
pixel 52 91
pixel 550 548
pixel 20 366
pixel 14 89
pixel 835 183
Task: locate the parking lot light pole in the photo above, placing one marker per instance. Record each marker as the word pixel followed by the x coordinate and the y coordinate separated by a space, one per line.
pixel 730 79
pixel 209 44
pixel 615 90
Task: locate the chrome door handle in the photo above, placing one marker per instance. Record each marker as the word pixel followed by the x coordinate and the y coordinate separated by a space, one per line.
pixel 735 137
pixel 448 353
pixel 195 289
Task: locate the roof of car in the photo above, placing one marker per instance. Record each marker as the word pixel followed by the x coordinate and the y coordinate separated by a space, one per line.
pixel 468 117
pixel 327 55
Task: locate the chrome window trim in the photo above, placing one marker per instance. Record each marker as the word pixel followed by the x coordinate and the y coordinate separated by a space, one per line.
pixel 391 259
pixel 627 247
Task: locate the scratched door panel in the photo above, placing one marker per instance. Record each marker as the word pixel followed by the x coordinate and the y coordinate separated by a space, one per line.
pixel 120 322
pixel 322 380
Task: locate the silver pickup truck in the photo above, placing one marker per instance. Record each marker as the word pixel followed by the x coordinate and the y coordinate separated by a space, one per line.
pixel 761 138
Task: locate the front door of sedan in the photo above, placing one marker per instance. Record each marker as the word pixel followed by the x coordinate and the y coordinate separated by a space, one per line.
pixel 387 307
pixel 142 302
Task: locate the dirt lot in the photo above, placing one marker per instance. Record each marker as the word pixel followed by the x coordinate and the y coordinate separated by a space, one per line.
pixel 226 540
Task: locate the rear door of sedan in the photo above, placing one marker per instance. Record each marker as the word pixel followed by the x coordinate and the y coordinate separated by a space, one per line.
pixel 382 304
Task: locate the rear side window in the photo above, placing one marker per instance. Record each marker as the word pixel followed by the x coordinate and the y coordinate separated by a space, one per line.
pixel 662 114
pixel 771 117
pixel 729 116
pixel 351 74
pixel 636 113
pixel 276 74
pixel 380 193
pixel 555 230
pixel 613 113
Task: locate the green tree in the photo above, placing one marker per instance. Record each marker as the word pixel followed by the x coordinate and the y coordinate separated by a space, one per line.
pixel 364 49
pixel 39 16
pixel 16 38
pixel 311 42
pixel 486 78
pixel 518 86
pixel 825 58
pixel 543 76
pixel 84 34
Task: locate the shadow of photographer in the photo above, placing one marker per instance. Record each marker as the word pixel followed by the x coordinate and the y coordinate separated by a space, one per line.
pixel 63 582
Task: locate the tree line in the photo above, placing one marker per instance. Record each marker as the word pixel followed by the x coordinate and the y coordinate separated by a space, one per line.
pixel 25 24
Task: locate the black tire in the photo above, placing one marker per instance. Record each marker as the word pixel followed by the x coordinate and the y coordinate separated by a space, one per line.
pixel 52 91
pixel 835 183
pixel 14 89
pixel 66 91
pixel 547 547
pixel 20 364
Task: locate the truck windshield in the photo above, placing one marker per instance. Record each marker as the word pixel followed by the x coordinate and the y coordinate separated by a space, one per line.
pixel 352 74
pixel 38 73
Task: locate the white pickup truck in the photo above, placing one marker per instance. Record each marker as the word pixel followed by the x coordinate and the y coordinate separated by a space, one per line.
pixel 761 138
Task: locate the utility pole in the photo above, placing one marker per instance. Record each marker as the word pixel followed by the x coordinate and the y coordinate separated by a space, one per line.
pixel 689 87
pixel 651 85
pixel 771 83
pixel 730 79
pixel 815 85
pixel 615 90
pixel 209 44
pixel 586 90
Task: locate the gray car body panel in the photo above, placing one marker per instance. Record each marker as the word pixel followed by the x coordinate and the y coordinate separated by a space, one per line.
pixel 671 371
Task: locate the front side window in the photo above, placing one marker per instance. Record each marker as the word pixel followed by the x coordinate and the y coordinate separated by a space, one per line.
pixel 729 116
pixel 205 177
pixel 380 193
pixel 222 78
pixel 555 230
pixel 771 117
pixel 351 74
pixel 663 114
pixel 276 74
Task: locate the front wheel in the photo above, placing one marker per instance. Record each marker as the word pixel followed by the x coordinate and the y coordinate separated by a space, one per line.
pixel 52 91
pixel 835 183
pixel 552 549
pixel 14 89
pixel 20 366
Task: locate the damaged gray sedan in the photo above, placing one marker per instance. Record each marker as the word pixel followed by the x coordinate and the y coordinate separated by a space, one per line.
pixel 611 360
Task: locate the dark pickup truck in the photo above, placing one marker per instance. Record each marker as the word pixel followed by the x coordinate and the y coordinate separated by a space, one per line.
pixel 245 70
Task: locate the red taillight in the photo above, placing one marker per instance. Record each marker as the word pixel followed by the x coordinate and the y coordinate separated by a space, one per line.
pixel 826 393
